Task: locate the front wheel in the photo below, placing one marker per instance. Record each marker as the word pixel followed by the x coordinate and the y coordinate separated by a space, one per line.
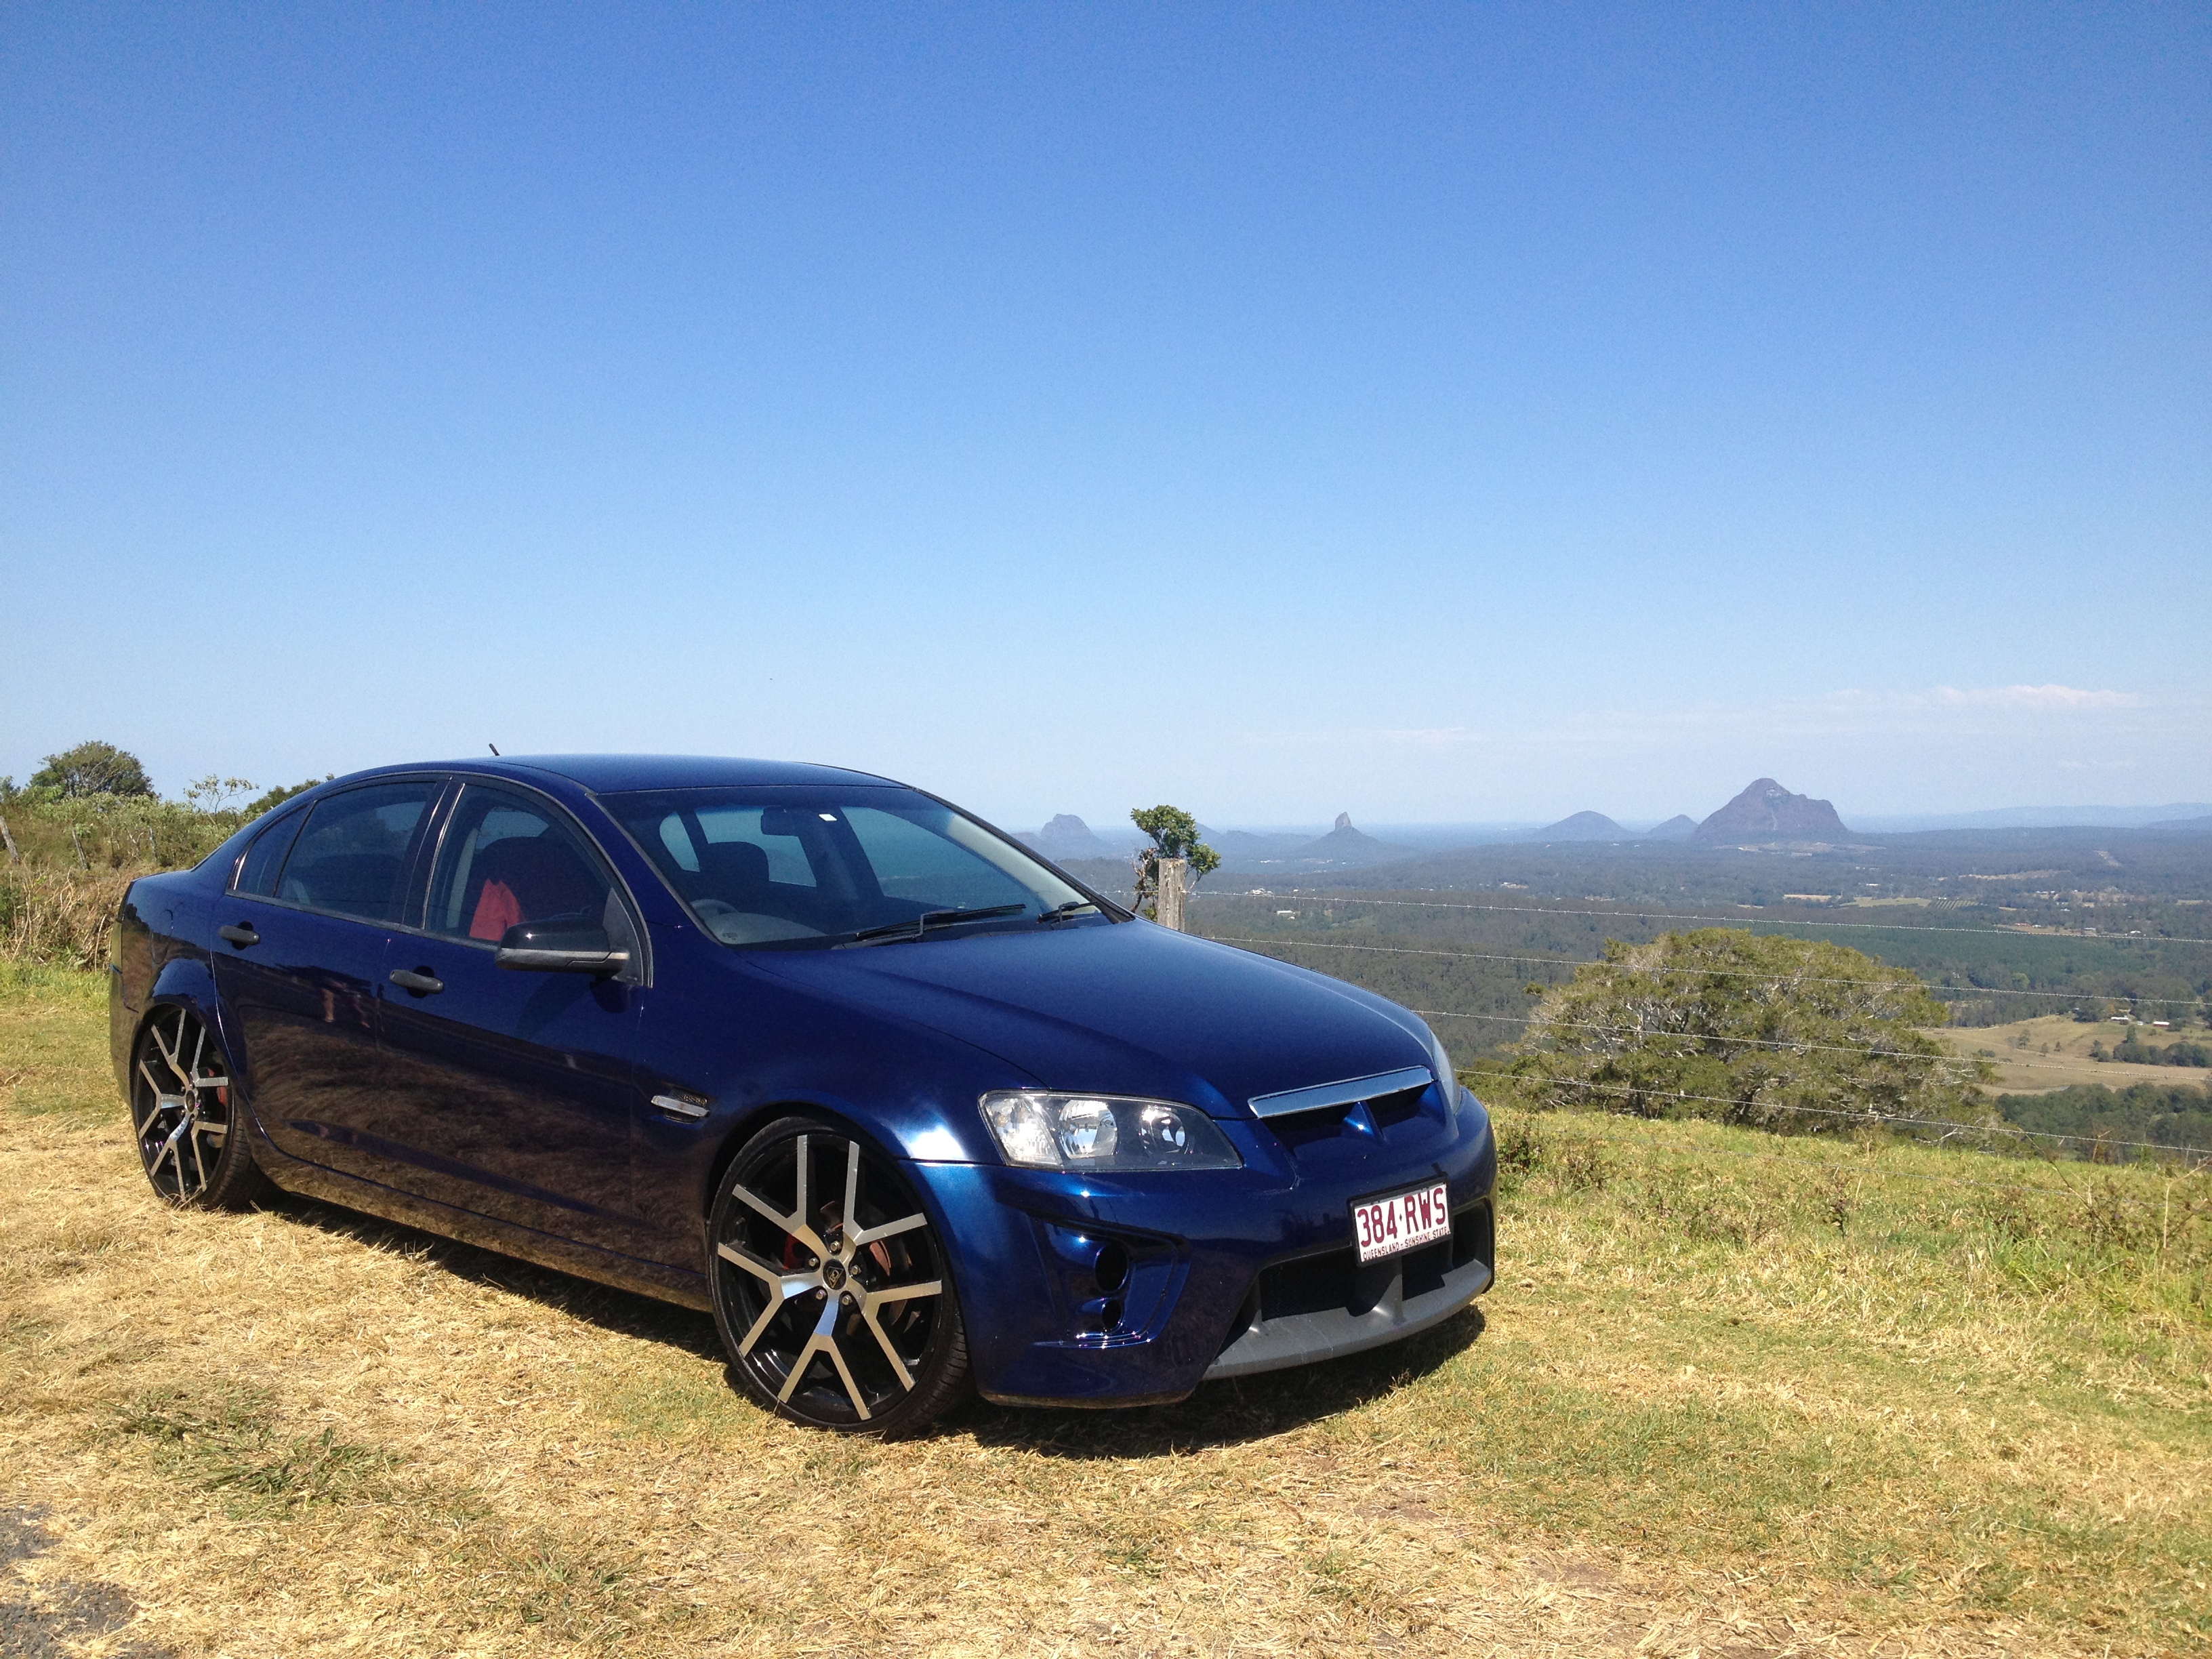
pixel 185 1118
pixel 831 1288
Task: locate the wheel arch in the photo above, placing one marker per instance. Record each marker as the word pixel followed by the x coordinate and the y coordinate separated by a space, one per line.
pixel 185 982
pixel 741 1130
pixel 189 983
pixel 840 1116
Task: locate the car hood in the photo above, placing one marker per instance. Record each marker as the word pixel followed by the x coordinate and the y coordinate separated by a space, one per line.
pixel 1126 1009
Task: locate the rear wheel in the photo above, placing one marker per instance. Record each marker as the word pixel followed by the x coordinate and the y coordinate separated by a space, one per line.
pixel 831 1288
pixel 185 1116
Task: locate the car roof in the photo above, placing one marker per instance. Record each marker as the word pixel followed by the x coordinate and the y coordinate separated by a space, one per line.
pixel 602 774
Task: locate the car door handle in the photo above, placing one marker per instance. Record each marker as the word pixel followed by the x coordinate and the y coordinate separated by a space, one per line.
pixel 241 935
pixel 419 984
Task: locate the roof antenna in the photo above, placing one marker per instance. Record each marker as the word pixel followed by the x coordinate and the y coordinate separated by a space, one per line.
pixel 494 748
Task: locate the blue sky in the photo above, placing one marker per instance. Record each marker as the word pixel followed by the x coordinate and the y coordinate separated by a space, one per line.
pixel 1448 413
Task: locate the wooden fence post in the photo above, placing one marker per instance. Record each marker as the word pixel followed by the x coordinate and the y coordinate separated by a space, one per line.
pixel 14 857
pixel 1167 902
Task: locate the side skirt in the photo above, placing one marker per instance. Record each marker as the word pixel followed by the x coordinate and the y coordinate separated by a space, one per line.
pixel 622 1273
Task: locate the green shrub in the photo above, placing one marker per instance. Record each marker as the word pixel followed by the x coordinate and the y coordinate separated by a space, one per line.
pixel 1774 1033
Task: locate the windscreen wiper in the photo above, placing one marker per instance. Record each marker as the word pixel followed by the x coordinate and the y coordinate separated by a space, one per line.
pixel 1061 912
pixel 892 931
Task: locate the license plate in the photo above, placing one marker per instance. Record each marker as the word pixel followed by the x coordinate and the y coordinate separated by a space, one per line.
pixel 1403 1221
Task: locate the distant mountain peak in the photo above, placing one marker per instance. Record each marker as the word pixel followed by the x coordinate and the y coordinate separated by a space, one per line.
pixel 1067 836
pixel 1583 826
pixel 1765 811
pixel 1344 844
pixel 1680 827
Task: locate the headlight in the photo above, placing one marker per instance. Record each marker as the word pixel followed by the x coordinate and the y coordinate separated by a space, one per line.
pixel 1040 1131
pixel 1447 1079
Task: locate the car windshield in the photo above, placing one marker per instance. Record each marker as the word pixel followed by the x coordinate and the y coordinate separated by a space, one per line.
pixel 783 867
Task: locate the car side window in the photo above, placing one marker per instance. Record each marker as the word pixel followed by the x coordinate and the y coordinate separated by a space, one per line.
pixel 264 856
pixel 352 858
pixel 506 859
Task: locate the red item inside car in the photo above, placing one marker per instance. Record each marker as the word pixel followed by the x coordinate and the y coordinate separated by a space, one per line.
pixel 497 910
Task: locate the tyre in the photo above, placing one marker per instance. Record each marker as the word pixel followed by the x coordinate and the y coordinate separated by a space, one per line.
pixel 185 1118
pixel 831 1288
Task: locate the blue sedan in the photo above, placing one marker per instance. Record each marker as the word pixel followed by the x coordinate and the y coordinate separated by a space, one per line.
pixel 909 1110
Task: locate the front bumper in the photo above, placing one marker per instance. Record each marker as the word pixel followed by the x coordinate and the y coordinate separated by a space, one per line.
pixel 1128 1291
pixel 1325 1306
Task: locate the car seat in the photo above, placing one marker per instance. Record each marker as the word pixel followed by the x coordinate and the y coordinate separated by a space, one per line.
pixel 530 879
pixel 734 872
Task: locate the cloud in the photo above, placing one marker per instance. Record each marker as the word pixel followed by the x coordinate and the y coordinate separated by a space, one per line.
pixel 1442 737
pixel 2038 699
pixel 1437 736
pixel 2003 699
pixel 1939 713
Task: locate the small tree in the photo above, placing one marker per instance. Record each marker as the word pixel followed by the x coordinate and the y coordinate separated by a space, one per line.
pixel 1776 1032
pixel 1174 835
pixel 215 794
pixel 92 768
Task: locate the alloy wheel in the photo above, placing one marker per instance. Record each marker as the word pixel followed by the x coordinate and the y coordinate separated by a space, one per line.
pixel 830 1284
pixel 180 1105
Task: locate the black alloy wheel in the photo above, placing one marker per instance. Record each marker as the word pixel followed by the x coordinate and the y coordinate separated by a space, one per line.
pixel 185 1116
pixel 831 1289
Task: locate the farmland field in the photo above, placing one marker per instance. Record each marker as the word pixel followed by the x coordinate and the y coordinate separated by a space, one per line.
pixel 1733 1395
pixel 2033 1056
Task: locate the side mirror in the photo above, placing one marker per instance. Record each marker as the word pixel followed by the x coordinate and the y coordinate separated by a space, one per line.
pixel 560 947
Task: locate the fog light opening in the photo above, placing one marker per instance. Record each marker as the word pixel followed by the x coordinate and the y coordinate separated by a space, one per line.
pixel 1110 1316
pixel 1111 1270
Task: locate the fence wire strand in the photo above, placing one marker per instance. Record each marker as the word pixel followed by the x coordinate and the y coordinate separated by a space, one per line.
pixel 1839 1164
pixel 1727 921
pixel 1967 1060
pixel 1869 1119
pixel 1722 973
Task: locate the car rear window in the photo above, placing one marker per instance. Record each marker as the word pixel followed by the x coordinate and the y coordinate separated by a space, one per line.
pixel 352 858
pixel 265 857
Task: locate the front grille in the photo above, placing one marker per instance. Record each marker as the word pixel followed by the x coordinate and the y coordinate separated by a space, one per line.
pixel 1386 1109
pixel 1334 1280
pixel 1324 1305
pixel 1297 1129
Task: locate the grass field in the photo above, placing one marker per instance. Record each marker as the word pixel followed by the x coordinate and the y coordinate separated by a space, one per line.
pixel 1733 1396
pixel 2055 1054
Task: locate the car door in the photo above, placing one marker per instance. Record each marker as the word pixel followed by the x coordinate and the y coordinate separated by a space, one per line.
pixel 514 1091
pixel 299 964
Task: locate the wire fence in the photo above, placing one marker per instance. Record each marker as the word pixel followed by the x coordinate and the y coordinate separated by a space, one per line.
pixel 2024 1139
pixel 1869 1119
pixel 1724 972
pixel 1966 1061
pixel 2018 932
pixel 1702 1149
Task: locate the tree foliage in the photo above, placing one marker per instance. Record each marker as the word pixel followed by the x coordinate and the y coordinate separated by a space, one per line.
pixel 281 794
pixel 69 856
pixel 1779 1033
pixel 2108 1119
pixel 92 769
pixel 1174 835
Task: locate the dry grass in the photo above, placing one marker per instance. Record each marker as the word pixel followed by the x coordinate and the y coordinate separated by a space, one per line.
pixel 2057 1054
pixel 1720 1406
pixel 61 917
